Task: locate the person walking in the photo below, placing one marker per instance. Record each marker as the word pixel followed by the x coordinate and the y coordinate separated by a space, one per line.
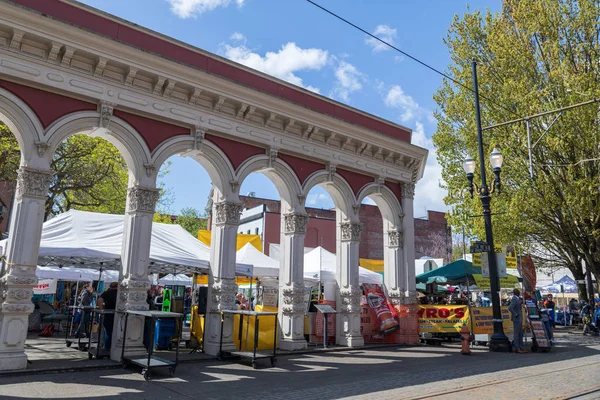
pixel 85 301
pixel 108 301
pixel 516 311
pixel 586 317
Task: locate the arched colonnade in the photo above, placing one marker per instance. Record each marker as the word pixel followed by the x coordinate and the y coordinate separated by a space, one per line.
pixel 44 101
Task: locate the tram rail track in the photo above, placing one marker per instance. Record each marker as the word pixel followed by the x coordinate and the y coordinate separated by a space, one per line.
pixel 494 382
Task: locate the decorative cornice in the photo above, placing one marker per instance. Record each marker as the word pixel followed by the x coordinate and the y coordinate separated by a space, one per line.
pixel 351 231
pixel 33 183
pixel 228 213
pixel 140 199
pixel 106 114
pixel 295 223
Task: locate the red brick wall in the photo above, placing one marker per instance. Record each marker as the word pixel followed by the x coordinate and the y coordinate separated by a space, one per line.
pixel 321 229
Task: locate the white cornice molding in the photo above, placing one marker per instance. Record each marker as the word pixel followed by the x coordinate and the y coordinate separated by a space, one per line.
pixel 187 113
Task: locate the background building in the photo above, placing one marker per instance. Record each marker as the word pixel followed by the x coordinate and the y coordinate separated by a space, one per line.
pixel 433 236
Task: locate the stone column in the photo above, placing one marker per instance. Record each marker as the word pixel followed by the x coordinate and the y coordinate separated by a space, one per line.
pixel 408 227
pixel 394 267
pixel 21 259
pixel 134 283
pixel 291 282
pixel 348 301
pixel 222 287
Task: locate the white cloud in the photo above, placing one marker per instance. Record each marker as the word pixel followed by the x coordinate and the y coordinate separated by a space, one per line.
pixel 348 81
pixel 409 108
pixel 238 37
pixel 283 64
pixel 428 193
pixel 193 8
pixel 319 200
pixel 384 32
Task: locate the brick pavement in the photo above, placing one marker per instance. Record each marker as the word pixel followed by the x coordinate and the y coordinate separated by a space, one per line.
pixel 396 373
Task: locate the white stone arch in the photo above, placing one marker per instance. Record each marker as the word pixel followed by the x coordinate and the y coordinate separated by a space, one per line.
pixel 338 188
pixel 25 126
pixel 387 202
pixel 207 154
pixel 120 134
pixel 281 174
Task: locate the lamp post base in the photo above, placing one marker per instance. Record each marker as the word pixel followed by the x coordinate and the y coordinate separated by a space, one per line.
pixel 499 343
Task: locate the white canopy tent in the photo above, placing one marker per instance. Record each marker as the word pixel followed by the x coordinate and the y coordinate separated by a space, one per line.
pixel 76 274
pixel 320 264
pixel 94 240
pixel 264 266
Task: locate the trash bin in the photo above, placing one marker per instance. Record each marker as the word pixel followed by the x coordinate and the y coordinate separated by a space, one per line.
pixel 165 330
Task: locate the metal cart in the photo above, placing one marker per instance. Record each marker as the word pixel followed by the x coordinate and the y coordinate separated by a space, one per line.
pixel 150 362
pixel 81 345
pixel 253 355
pixel 96 348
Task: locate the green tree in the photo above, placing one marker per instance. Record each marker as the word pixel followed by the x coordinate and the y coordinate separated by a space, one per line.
pixel 533 56
pixel 191 220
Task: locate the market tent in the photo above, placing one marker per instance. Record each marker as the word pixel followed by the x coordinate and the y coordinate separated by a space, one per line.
pixel 94 240
pixel 319 264
pixel 568 283
pixel 454 273
pixel 76 274
pixel 421 287
pixel 175 280
pixel 264 266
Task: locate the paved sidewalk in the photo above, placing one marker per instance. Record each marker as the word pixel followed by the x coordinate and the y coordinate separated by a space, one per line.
pixel 570 369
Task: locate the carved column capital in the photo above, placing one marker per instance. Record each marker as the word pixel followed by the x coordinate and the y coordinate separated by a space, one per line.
pixel 142 199
pixel 33 183
pixel 408 191
pixel 199 135
pixel 133 294
pixel 295 223
pixel 228 213
pixel 395 238
pixel 351 231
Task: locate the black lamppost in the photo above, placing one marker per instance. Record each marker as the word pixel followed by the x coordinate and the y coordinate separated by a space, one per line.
pixel 499 341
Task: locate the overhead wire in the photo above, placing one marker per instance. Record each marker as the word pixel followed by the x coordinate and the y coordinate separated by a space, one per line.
pixel 409 56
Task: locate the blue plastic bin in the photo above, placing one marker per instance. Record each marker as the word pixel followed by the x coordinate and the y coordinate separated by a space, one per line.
pixel 164 332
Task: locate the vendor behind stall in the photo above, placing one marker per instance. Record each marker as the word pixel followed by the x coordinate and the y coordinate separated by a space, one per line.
pixel 108 301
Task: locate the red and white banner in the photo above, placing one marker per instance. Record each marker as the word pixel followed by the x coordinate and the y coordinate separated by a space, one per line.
pixel 385 315
pixel 45 286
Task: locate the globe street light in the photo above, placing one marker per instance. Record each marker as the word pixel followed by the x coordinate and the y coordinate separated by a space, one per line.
pixel 499 341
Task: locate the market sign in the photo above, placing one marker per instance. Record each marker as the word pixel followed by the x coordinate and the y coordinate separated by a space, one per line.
pixel 483 318
pixel 508 281
pixel 45 286
pixel 447 319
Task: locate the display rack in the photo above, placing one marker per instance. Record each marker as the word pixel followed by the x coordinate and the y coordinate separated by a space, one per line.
pixel 96 348
pixel 539 336
pixel 255 354
pixel 81 346
pixel 149 362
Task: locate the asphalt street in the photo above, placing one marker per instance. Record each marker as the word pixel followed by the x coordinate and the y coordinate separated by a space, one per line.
pixel 570 370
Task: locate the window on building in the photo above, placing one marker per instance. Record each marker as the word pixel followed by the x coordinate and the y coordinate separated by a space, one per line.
pixel 256 233
pixel 248 231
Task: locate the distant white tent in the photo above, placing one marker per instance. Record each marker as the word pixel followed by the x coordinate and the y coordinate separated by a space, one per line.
pixel 175 280
pixel 264 266
pixel 76 274
pixel 320 264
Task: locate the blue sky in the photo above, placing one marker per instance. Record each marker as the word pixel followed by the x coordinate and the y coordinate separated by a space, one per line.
pixel 295 41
